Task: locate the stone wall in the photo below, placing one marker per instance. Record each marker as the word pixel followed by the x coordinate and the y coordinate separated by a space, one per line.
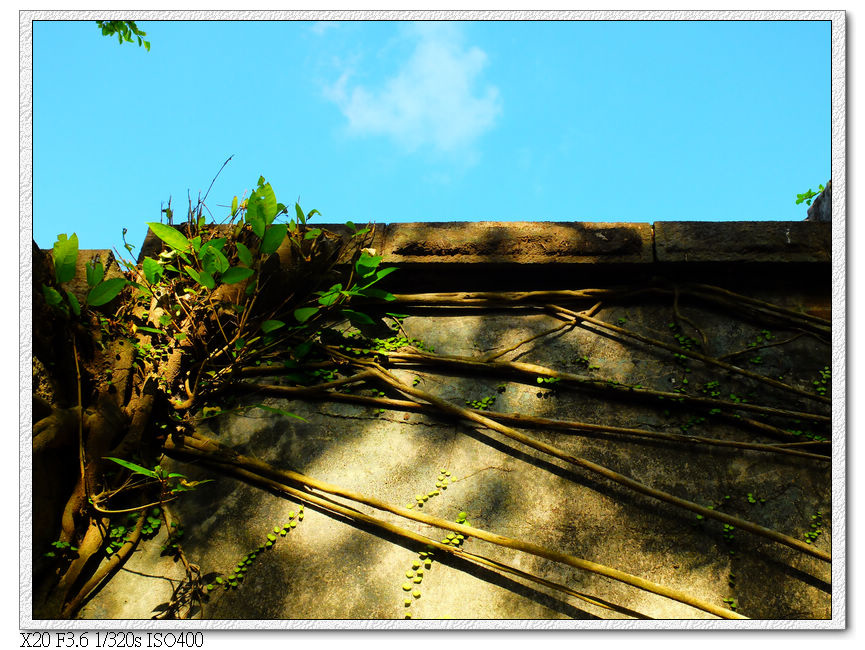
pixel 328 568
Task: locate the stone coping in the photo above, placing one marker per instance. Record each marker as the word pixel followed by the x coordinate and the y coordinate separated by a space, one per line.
pixel 538 243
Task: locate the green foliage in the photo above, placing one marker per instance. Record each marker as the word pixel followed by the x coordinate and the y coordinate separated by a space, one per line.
pixel 174 305
pixel 822 385
pixel 62 550
pixel 105 291
pixel 817 524
pixel 152 269
pixel 237 574
pixel 305 313
pixel 482 404
pixel 124 30
pixel 171 236
pixel 808 196
pixel 95 272
pixel 273 238
pixel 133 467
pixel 237 274
pixel 65 257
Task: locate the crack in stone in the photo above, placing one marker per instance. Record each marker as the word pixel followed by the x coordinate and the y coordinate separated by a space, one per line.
pixel 367 418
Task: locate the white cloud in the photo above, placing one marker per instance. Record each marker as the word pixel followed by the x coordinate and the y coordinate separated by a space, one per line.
pixel 319 27
pixel 434 99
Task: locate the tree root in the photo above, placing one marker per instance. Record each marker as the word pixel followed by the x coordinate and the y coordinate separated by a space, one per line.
pixel 621 479
pixel 320 392
pixel 693 355
pixel 263 474
pixel 104 573
pixel 409 359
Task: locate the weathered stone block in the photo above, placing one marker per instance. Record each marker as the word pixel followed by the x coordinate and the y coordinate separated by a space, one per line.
pixel 518 242
pixel 742 241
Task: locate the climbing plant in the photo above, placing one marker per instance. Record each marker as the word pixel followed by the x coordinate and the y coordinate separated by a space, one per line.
pixel 155 348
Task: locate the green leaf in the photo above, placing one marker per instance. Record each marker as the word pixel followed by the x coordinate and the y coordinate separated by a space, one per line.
pixel 255 220
pixel 381 273
pixel 148 329
pixel 304 313
pixel 105 292
pixel 204 278
pixel 357 318
pixel 65 257
pixel 244 254
pixel 371 292
pixel 331 296
pixel 273 238
pixel 234 206
pixel 261 207
pixel 236 274
pixel 170 235
pixel 301 217
pixel 218 244
pixel 52 296
pixel 152 270
pixel 73 302
pixel 136 469
pixel 270 325
pixel 312 234
pixel 213 260
pixel 268 203
pixel 95 272
pixel 367 263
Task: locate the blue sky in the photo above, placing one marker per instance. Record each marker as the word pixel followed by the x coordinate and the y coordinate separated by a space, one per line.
pixel 430 121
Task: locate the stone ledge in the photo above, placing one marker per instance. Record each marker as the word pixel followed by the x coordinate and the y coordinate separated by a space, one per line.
pixel 539 244
pixel 496 242
pixel 743 241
